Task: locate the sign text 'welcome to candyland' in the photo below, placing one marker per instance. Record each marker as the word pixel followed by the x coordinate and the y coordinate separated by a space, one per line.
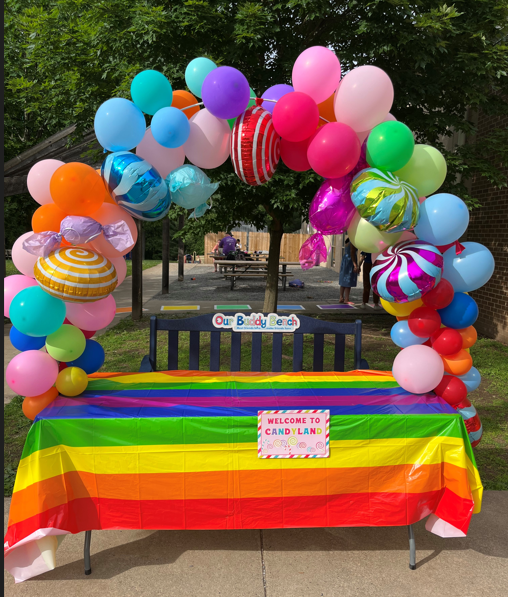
pixel 257 322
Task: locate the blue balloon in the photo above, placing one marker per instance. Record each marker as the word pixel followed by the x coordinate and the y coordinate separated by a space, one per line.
pixel 136 186
pixel 196 72
pixel 471 269
pixel 151 91
pixel 443 219
pixel 119 125
pixel 91 359
pixel 460 313
pixel 23 342
pixel 189 186
pixel 471 379
pixel 402 336
pixel 170 127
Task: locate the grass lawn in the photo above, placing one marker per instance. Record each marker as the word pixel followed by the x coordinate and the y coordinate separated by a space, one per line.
pixel 10 268
pixel 127 343
pixel 147 264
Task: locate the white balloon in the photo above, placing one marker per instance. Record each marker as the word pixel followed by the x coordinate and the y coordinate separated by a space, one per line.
pixel 208 142
pixel 163 159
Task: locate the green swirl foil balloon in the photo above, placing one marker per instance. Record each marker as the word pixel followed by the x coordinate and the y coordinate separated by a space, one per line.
pixel 389 204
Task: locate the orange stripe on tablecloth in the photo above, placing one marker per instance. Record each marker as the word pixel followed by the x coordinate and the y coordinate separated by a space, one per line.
pixel 409 478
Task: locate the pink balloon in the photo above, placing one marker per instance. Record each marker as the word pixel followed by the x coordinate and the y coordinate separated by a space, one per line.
pixel 86 333
pixel 163 159
pixel 208 142
pixel 316 72
pixel 295 116
pixel 364 98
pixel 13 285
pixel 121 268
pixel 23 260
pixel 107 214
pixel 38 180
pixel 334 151
pixel 407 235
pixel 389 117
pixel 421 199
pixel 362 136
pixel 418 369
pixel 294 155
pixel 332 210
pixel 31 373
pixel 92 316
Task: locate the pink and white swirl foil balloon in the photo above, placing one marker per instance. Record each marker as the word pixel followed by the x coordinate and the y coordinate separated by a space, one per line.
pixel 406 271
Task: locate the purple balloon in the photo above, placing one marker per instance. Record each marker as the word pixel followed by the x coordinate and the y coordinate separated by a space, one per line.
pixel 225 92
pixel 275 93
pixel 332 210
pixel 313 251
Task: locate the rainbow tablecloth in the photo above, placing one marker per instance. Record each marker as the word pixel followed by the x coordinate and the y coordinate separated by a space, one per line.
pixel 178 450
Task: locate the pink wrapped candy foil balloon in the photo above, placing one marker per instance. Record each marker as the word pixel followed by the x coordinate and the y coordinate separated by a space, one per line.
pixel 313 251
pixel 406 271
pixel 332 210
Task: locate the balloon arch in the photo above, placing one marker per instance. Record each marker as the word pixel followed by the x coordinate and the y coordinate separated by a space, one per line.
pixel 379 187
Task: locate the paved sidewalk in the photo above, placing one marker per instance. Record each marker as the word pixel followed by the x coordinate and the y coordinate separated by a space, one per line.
pixel 351 562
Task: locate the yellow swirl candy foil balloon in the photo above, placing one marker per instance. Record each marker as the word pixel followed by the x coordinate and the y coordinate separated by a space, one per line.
pixel 76 275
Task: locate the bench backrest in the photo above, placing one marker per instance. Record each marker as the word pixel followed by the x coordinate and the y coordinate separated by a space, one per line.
pixel 308 325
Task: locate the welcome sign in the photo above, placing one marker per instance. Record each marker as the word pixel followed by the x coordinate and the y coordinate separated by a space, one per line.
pixel 293 433
pixel 256 322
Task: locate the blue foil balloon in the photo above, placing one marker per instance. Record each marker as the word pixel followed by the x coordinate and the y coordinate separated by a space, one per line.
pixel 91 360
pixel 471 379
pixel 460 313
pixel 402 336
pixel 23 342
pixel 443 219
pixel 136 186
pixel 119 124
pixel 189 186
pixel 471 269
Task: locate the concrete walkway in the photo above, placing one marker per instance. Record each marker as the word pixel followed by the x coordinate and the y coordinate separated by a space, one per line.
pixel 351 562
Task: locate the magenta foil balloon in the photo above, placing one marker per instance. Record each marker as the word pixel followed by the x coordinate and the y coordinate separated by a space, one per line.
pixel 225 92
pixel 332 210
pixel 313 251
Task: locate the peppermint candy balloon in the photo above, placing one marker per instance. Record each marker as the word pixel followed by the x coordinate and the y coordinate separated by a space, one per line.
pixel 406 271
pixel 255 146
pixel 389 204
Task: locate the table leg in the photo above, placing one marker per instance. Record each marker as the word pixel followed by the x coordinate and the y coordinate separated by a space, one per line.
pixel 88 538
pixel 412 547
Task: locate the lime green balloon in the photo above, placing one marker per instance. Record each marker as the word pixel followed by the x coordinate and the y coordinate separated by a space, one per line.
pixel 366 237
pixel 390 146
pixel 231 121
pixel 426 170
pixel 66 344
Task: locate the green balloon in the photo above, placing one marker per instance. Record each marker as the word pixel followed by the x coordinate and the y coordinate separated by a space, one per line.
pixel 426 170
pixel 390 146
pixel 231 121
pixel 66 344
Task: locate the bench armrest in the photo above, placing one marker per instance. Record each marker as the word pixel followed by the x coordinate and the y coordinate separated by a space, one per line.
pixel 364 364
pixel 146 366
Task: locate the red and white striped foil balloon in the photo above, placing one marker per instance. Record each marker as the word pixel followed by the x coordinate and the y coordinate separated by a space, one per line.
pixel 255 146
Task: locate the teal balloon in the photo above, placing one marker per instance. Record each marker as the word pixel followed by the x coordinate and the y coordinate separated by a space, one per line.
pixel 196 73
pixel 36 313
pixel 151 91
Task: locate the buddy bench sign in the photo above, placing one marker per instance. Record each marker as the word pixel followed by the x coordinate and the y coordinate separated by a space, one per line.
pixel 257 322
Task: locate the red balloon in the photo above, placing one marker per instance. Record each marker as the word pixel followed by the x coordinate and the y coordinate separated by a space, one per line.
pixel 440 296
pixel 295 116
pixel 294 155
pixel 462 404
pixel 446 341
pixel 424 321
pixel 62 366
pixel 334 151
pixel 86 333
pixel 452 389
pixel 427 343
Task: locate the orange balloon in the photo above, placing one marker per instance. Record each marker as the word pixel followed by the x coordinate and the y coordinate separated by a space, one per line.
pixel 469 336
pixel 182 99
pixel 33 405
pixel 458 364
pixel 326 111
pixel 47 218
pixel 77 189
pixel 403 318
pixel 107 196
pixel 108 214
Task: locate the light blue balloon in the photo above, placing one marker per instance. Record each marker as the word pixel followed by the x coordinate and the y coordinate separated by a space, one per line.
pixel 170 127
pixel 151 91
pixel 196 73
pixel 36 313
pixel 402 336
pixel 119 125
pixel 471 269
pixel 189 186
pixel 443 219
pixel 471 379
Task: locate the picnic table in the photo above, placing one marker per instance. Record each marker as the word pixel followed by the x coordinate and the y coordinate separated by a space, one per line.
pixel 254 269
pixel 179 450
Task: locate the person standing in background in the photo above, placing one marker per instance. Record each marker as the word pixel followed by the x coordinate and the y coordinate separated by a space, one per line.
pixel 366 261
pixel 348 272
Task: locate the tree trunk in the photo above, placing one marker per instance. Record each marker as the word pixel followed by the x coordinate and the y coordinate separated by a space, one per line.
pixel 137 275
pixel 272 280
pixel 165 256
pixel 181 255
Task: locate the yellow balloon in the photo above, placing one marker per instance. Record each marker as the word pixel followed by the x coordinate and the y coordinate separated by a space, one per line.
pixel 366 237
pixel 399 309
pixel 426 170
pixel 71 381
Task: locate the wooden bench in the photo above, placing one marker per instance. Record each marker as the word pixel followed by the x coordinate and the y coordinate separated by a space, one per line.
pixel 254 274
